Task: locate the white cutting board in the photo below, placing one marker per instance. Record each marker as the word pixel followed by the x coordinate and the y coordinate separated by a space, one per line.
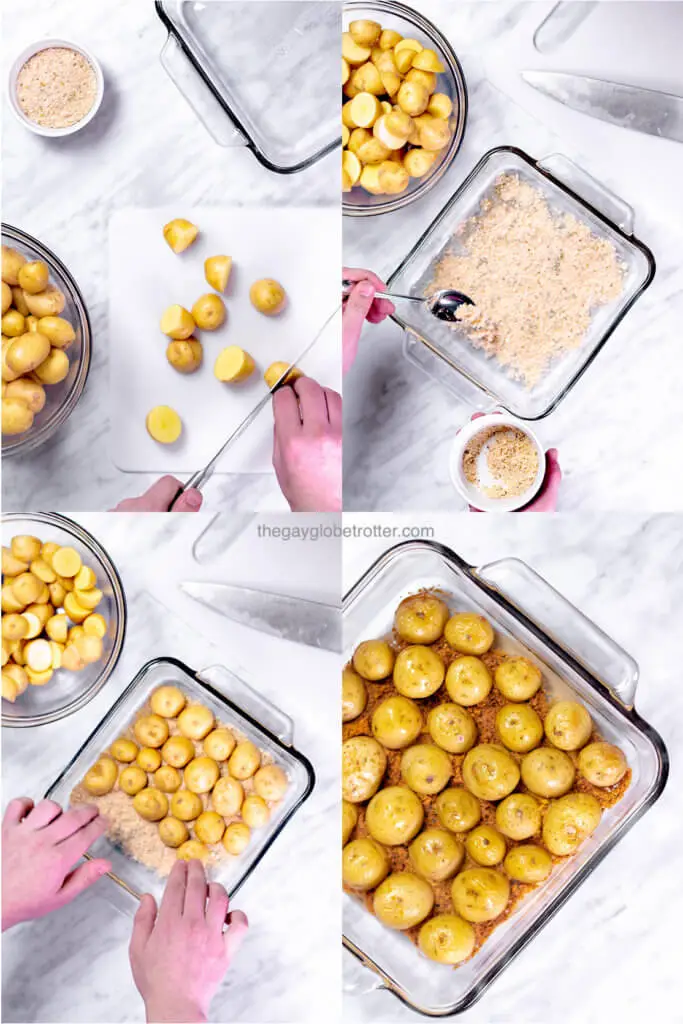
pixel 298 246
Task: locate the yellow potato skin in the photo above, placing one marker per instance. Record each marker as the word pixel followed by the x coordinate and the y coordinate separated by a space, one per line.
pixel 233 364
pixel 268 296
pixel 180 233
pixel 275 371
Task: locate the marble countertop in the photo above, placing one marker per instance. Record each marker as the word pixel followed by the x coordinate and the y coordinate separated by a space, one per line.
pixel 616 430
pixel 145 148
pixel 288 969
pixel 612 952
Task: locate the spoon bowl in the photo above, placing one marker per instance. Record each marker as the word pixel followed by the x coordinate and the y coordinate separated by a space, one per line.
pixel 443 305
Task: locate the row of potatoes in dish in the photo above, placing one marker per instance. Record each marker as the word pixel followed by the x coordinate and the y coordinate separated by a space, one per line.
pixel 35 338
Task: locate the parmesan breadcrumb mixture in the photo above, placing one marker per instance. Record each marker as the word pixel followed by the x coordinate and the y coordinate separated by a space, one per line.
pixel 511 460
pixel 535 277
pixel 56 87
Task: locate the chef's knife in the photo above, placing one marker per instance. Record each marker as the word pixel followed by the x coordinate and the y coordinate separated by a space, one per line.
pixel 629 106
pixel 198 479
pixel 290 618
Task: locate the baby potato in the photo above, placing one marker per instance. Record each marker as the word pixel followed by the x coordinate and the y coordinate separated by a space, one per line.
pixel 10 690
pixel 58 331
pixel 569 821
pixel 31 392
pixel 440 105
pixel 39 678
pixel 394 816
pixel 480 894
pixel 19 302
pixel 365 32
pixel 346 71
pixel 124 750
pixel 95 625
pixel 14 626
pixel 167 701
pixel 88 599
pixel 185 356
pixel 396 722
pixel 426 78
pixel 85 578
pixel 32 323
pixel 457 809
pixel 490 772
pixel 346 115
pixel 244 760
pixel 27 588
pixel 192 850
pixel 148 759
pixel 468 633
pixel 356 139
pixel 602 764
pixel 373 660
pixel 364 864
pixel 56 628
pixel 27 352
pixel 270 783
pixel 54 369
pixel 372 151
pixel 447 939
pixel 452 728
pixel 74 610
pixel 178 751
pixel 393 177
pixel 57 593
pixel 236 838
pixel 420 619
pixel 17 418
pixel 18 676
pixel 351 52
pixel 518 679
pixel 13 324
pixel 365 79
pixel 275 372
pixel 403 900
pixel 151 804
pixel 177 322
pixel 426 768
pixel 434 133
pixel 255 812
pixel 418 162
pixel 9 602
pixel 71 659
pixel 345 136
pixel 50 302
pixel 35 626
pixel 167 779
pixel 173 832
pixel 388 39
pixel 399 124
pixel 195 721
pixel 217 271
pixel 6 297
pixel 349 820
pixel 528 863
pixel 428 60
pixel 568 725
pixel 209 827
pixel 12 262
pixel 209 312
pixel 7 373
pixel 351 166
pixel 233 364
pixel 186 805
pixel 381 132
pixel 436 855
pixel 12 563
pixel 180 234
pixel 219 744
pixel 485 846
pixel 33 277
pixel 132 779
pixel 164 424
pixel 354 695
pixel 101 777
pixel 227 796
pixel 201 774
pixel 151 731
pixel 90 649
pixel 404 60
pixel 268 296
pixel 391 82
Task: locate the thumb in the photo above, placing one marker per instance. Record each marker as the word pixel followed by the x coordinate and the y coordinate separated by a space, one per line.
pixel 81 878
pixel 143 925
pixel 238 926
pixel 553 478
pixel 189 501
pixel 356 309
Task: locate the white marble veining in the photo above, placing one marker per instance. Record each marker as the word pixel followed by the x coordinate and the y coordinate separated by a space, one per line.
pixel 145 148
pixel 619 429
pixel 73 965
pixel 612 953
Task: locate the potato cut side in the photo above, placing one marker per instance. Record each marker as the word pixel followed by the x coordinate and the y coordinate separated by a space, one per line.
pixel 233 364
pixel 275 371
pixel 180 234
pixel 38 655
pixel 66 562
pixel 217 271
pixel 177 322
pixel 57 628
pixel 88 599
pixel 96 625
pixel 352 52
pixel 164 424
pixel 85 578
pixel 39 678
pixel 365 109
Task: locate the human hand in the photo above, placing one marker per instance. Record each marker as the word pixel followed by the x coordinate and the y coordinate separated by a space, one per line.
pixel 40 845
pixel 357 307
pixel 179 955
pixel 159 496
pixel 307 446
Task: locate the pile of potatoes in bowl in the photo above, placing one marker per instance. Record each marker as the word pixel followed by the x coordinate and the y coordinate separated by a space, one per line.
pixel 34 339
pixel 185 352
pixel 395 122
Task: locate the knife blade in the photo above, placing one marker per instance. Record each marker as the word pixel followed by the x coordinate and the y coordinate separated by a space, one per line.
pixel 628 106
pixel 198 479
pixel 290 618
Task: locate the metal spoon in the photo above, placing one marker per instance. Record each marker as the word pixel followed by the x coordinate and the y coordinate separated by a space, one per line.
pixel 444 305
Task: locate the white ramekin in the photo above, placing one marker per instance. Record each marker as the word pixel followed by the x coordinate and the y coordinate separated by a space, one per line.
pixel 472 495
pixel 30 51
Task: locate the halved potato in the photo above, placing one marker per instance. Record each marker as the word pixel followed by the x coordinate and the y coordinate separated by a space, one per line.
pixel 180 234
pixel 365 32
pixel 177 322
pixel 164 424
pixel 365 109
pixel 217 271
pixel 427 60
pixel 233 364
pixel 352 52
pixel 275 371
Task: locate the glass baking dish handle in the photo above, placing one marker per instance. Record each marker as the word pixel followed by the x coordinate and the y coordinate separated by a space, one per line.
pixel 198 94
pixel 565 624
pixel 418 352
pixel 255 704
pixel 590 190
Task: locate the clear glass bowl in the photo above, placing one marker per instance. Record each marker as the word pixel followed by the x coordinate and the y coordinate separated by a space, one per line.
pixel 62 397
pixel 69 691
pixel 411 24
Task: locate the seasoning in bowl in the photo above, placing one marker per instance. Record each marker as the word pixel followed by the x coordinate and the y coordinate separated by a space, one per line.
pixel 56 87
pixel 502 462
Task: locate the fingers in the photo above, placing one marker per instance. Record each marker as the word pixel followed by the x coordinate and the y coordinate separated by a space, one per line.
pixel 189 501
pixel 81 878
pixel 159 496
pixel 286 414
pixel 70 822
pixel 356 308
pixel 17 810
pixel 238 926
pixel 174 896
pixel 143 925
pixel 43 813
pixel 547 499
pixel 311 402
pixel 81 841
pixel 217 907
pixel 334 408
pixel 195 891
pixel 357 274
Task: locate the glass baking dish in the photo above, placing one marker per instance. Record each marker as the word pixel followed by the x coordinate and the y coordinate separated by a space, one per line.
pixel 263 75
pixel 444 352
pixel 413 25
pixel 578 660
pixel 234 704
